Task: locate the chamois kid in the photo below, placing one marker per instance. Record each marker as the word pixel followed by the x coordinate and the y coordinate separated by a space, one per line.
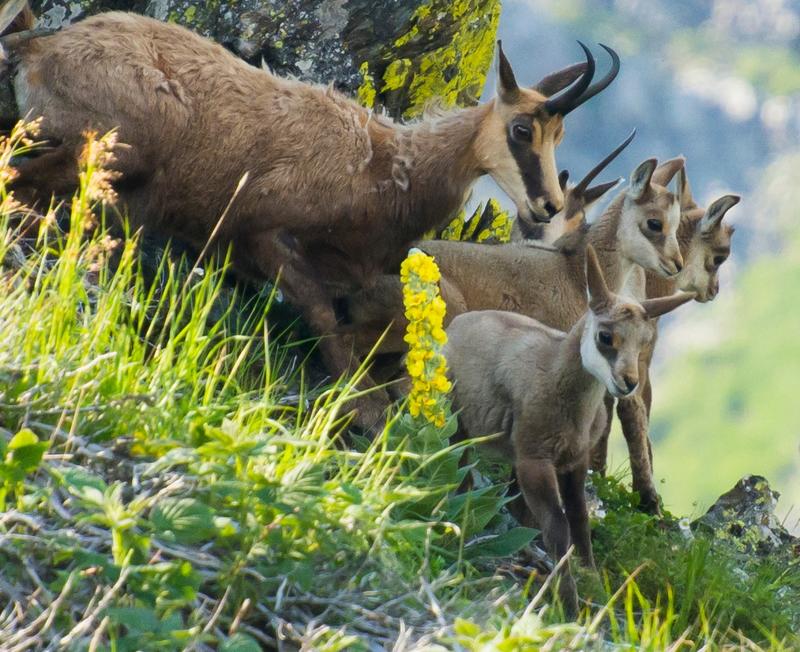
pixel 541 389
pixel 334 193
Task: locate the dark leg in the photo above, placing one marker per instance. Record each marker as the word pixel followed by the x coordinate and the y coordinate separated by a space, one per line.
pixel 573 493
pixel 277 254
pixel 539 484
pixel 54 172
pixel 602 424
pixel 633 417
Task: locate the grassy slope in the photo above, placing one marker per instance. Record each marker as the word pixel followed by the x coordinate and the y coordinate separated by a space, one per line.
pixel 193 494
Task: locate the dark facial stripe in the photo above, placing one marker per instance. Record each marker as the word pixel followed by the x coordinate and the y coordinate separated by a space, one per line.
pixel 528 162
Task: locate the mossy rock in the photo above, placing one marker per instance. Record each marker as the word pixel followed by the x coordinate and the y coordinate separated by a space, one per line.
pixel 401 53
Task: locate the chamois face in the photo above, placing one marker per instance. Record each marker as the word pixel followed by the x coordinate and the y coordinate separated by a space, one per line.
pixel 516 142
pixel 616 331
pixel 707 248
pixel 649 224
pixel 612 341
pixel 516 146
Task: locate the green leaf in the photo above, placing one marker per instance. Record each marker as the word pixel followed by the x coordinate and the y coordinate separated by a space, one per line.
pixel 22 439
pixel 184 520
pixel 240 643
pixel 137 619
pixel 501 545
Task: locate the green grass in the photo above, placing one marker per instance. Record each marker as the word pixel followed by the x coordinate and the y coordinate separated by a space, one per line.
pixel 172 480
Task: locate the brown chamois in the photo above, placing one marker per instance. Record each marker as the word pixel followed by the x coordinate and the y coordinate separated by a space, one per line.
pixel 541 389
pixel 705 243
pixel 334 193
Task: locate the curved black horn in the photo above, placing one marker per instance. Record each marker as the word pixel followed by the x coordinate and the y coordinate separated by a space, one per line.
pixel 583 184
pixel 605 81
pixel 570 98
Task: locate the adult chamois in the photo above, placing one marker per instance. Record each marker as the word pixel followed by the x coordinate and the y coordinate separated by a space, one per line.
pixel 541 389
pixel 333 194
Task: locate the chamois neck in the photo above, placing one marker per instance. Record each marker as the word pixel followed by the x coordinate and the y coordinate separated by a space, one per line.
pixel 604 237
pixel 435 165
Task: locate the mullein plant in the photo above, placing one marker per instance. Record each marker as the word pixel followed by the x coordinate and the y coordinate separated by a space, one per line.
pixel 426 366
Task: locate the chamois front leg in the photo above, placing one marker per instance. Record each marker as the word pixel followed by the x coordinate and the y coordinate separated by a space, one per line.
pixel 601 428
pixel 539 484
pixel 277 255
pixel 573 493
pixel 53 172
pixel 632 413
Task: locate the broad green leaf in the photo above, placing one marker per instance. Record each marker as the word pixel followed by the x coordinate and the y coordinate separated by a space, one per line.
pixel 23 438
pixel 136 619
pixel 184 520
pixel 240 643
pixel 501 545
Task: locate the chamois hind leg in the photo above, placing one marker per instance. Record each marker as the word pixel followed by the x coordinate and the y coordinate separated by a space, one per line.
pixel 277 255
pixel 598 457
pixel 539 484
pixel 633 417
pixel 573 493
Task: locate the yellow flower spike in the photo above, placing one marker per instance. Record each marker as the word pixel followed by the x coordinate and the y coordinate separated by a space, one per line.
pixel 425 311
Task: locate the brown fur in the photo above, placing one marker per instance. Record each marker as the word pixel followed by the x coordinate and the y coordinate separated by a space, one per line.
pixel 334 193
pixel 543 284
pixel 538 387
pixel 705 244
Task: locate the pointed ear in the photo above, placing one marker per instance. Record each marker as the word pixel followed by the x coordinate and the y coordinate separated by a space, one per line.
pixel 558 81
pixel 599 296
pixel 640 179
pixel 713 216
pixel 563 177
pixel 661 306
pixel 507 88
pixel 664 172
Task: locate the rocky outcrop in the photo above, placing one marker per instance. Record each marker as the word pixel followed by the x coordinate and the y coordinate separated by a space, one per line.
pixel 398 54
pixel 745 516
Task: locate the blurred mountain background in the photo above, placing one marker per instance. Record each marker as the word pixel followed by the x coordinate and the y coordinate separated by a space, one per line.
pixel 719 82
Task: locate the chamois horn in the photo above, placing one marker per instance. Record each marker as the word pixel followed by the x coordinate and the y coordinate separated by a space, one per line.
pixel 572 98
pixel 583 185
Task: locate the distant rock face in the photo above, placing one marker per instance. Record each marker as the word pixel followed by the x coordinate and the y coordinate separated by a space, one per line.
pixel 397 53
pixel 745 516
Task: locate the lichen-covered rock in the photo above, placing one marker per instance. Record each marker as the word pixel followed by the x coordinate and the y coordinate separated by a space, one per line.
pixel 398 54
pixel 745 517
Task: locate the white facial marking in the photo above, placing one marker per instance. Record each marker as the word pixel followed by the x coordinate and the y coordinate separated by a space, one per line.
pixel 592 360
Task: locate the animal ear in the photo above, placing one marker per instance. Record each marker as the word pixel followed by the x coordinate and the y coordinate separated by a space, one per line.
pixel 664 172
pixel 563 177
pixel 640 179
pixel 558 81
pixel 713 216
pixel 661 306
pixel 507 87
pixel 599 296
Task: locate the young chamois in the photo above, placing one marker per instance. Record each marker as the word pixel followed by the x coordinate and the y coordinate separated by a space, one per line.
pixel 705 243
pixel 639 228
pixel 332 195
pixel 542 389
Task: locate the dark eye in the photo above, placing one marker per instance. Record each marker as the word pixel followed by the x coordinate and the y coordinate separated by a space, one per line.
pixel 655 225
pixel 521 132
pixel 718 260
pixel 605 338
